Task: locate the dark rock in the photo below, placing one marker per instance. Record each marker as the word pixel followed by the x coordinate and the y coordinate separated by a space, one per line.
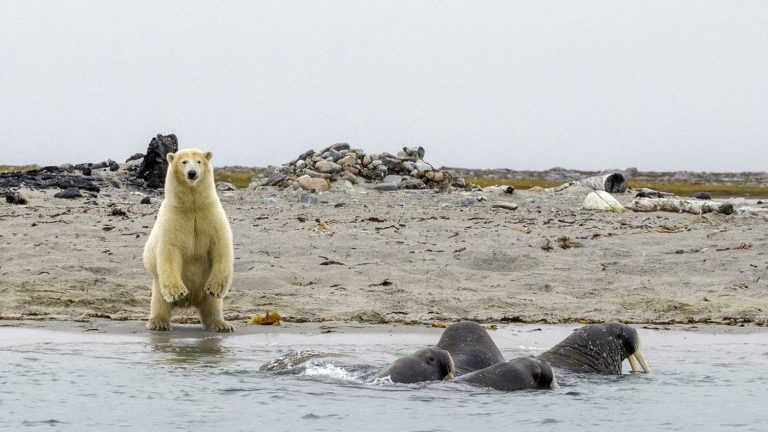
pixel 701 195
pixel 650 194
pixel 155 165
pixel 146 200
pixel 136 156
pixel 69 193
pixel 277 177
pixel 412 183
pixel 118 212
pixel 113 166
pixel 15 198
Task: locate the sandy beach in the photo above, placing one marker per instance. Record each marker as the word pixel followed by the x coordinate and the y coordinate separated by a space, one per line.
pixel 413 257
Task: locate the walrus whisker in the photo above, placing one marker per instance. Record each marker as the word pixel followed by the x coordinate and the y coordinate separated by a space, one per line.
pixel 643 363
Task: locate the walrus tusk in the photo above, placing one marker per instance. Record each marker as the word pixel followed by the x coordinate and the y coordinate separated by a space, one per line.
pixel 638 357
pixel 554 383
pixel 632 363
pixel 643 363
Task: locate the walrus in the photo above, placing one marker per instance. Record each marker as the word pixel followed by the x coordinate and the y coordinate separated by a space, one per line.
pixel 426 364
pixel 470 346
pixel 598 348
pixel 516 374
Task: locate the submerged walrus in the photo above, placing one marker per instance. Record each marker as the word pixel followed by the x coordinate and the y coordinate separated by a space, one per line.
pixel 598 348
pixel 470 346
pixel 426 364
pixel 516 374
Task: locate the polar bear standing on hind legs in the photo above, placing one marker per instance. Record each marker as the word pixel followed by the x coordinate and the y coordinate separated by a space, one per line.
pixel 189 251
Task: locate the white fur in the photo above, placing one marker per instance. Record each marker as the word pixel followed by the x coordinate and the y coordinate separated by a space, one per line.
pixel 189 251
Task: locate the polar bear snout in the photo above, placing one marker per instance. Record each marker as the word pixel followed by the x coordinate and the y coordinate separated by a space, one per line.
pixel 192 174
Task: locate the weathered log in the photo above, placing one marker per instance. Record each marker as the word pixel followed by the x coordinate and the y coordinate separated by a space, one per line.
pixel 677 205
pixel 613 183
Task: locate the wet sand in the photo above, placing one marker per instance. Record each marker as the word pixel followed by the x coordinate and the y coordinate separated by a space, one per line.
pixel 412 257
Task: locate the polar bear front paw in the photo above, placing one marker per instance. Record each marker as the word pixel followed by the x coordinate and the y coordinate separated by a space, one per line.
pixel 217 287
pixel 221 327
pixel 173 291
pixel 158 325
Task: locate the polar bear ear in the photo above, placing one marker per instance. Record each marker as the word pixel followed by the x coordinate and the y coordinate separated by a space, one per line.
pixel 208 155
pixel 169 157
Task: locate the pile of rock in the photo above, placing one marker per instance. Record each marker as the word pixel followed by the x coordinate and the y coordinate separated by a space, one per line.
pixel 406 170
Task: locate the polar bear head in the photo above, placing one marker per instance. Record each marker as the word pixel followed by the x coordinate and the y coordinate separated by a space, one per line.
pixel 189 166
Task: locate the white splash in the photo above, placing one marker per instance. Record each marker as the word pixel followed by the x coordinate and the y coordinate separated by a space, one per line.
pixel 330 371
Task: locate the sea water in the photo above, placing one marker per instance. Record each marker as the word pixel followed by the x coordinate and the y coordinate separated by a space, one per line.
pixel 193 380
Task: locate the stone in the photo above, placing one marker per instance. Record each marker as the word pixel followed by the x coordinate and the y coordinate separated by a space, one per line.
pixel 352 169
pixel 225 187
pixel 346 175
pixel 155 164
pixel 324 166
pixel 435 176
pixel 467 201
pixel 376 163
pixel 409 166
pixel 113 166
pixel 385 187
pixel 15 198
pixel 367 160
pixel 423 167
pixel 146 200
pixel 275 178
pixel 316 174
pixel 300 164
pixel 392 178
pixel 69 193
pixel 308 198
pixel 701 195
pixel 347 160
pixel 314 184
pixel 412 183
pixel 504 205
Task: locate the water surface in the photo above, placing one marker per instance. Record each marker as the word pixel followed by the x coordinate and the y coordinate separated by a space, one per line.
pixel 193 380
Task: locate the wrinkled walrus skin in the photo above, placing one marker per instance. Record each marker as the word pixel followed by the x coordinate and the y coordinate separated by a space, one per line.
pixel 598 348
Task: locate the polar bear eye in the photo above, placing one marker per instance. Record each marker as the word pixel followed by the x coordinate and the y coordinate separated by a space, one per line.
pixel 198 162
pixel 185 162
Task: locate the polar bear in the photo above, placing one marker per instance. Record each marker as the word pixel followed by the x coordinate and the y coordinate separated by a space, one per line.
pixel 189 251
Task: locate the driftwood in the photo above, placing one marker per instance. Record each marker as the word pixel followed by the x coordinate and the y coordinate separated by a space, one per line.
pixel 678 205
pixel 613 183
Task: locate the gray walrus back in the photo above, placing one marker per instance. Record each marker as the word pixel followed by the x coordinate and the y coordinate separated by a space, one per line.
pixel 516 374
pixel 471 347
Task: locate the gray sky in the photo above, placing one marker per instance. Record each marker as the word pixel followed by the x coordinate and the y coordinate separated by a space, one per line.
pixel 658 85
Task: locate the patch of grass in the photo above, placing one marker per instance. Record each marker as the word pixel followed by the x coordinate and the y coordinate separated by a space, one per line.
pixel 516 183
pixel 241 179
pixel 18 168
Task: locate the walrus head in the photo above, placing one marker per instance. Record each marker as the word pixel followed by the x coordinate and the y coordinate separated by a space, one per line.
pixel 598 348
pixel 426 364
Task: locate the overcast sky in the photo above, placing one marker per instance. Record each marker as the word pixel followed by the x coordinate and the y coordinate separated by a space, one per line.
pixel 657 85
